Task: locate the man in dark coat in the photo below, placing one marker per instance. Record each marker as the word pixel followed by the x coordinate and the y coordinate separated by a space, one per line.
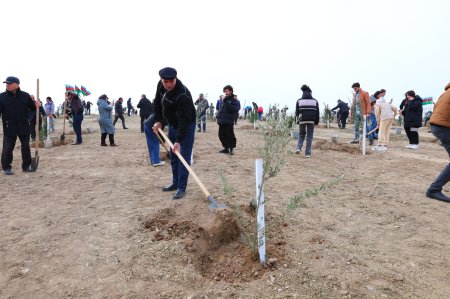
pixel 226 118
pixel 173 104
pixel 129 107
pixel 118 109
pixel 14 107
pixel 343 113
pixel 145 109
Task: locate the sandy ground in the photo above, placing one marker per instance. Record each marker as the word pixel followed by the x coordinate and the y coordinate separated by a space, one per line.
pixel 92 222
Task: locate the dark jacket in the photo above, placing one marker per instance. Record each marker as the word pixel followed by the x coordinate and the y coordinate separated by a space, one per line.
pixel 118 107
pixel 76 106
pixel 129 106
pixel 227 113
pixel 342 106
pixel 146 107
pixel 14 111
pixel 307 109
pixel 413 113
pixel 175 107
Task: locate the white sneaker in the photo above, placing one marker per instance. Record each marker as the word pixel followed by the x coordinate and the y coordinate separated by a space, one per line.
pixel 408 146
pixel 383 148
pixel 414 146
pixel 376 148
pixel 297 151
pixel 308 156
pixel 159 164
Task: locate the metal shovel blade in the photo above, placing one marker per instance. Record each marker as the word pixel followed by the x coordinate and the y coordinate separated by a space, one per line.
pixel 213 203
pixel 35 162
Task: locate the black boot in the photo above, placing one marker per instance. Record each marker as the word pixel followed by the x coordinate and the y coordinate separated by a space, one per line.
pixel 103 139
pixel 111 140
pixel 224 151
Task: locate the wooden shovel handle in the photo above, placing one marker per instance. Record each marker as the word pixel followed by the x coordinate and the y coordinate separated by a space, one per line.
pixel 200 184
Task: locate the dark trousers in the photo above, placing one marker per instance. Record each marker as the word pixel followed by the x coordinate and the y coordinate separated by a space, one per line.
pixel 77 120
pixel 413 135
pixel 179 173
pixel 9 142
pixel 343 119
pixel 443 134
pixel 226 136
pixel 33 127
pixel 308 131
pixel 143 118
pixel 121 118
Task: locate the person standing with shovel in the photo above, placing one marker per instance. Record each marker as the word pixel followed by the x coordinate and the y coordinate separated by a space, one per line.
pixel 14 107
pixel 173 104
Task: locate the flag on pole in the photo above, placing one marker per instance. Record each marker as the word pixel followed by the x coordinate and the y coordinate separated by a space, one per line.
pixel 69 88
pixel 85 91
pixel 77 90
pixel 427 101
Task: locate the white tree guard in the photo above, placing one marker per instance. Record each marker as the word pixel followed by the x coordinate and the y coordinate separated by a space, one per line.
pixel 261 234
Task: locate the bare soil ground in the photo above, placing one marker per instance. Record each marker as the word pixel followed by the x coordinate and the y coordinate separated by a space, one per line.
pixel 93 222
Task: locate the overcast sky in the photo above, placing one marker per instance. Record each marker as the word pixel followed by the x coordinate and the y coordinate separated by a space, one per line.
pixel 265 49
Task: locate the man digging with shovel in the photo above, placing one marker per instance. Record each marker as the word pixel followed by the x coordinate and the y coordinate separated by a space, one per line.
pixel 173 104
pixel 14 107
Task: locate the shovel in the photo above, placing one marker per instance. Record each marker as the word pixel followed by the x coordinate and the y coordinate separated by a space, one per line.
pixel 163 144
pixel 212 202
pixel 64 121
pixel 35 160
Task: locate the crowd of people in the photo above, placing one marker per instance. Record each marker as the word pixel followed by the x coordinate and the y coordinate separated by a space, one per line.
pixel 173 107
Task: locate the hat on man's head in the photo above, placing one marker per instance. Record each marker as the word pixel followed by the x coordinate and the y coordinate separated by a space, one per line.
pixel 103 97
pixel 201 95
pixel 356 85
pixel 12 79
pixel 168 73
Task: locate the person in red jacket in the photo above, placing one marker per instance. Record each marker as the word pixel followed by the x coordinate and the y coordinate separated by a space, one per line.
pixel 260 112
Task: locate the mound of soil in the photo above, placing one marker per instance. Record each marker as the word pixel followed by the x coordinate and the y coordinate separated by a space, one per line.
pixel 340 147
pixel 217 244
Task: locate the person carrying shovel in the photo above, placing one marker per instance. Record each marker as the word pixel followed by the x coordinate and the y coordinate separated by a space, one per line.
pixel 173 104
pixel 14 107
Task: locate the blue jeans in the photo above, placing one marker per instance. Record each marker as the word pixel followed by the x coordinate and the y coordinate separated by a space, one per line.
pixel 308 130
pixel 202 119
pixel 152 143
pixel 77 120
pixel 371 124
pixel 443 134
pixel 357 124
pixel 179 172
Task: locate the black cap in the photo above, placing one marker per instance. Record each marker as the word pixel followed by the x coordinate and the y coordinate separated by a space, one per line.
pixel 12 79
pixel 168 73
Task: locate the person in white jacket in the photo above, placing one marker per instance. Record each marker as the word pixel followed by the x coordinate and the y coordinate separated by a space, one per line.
pixel 385 113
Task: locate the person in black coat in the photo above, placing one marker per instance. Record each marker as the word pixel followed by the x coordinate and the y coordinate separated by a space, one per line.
pixel 118 109
pixel 226 118
pixel 14 107
pixel 342 114
pixel 145 109
pixel 173 104
pixel 307 113
pixel 412 112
